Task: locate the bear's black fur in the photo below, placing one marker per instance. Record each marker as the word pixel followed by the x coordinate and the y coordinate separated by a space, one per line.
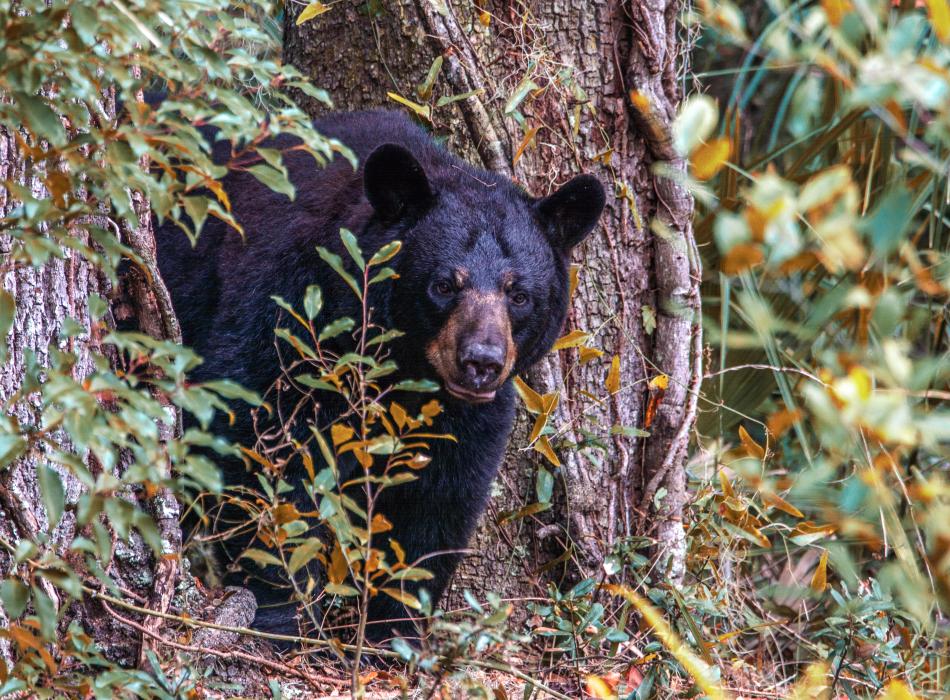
pixel 482 294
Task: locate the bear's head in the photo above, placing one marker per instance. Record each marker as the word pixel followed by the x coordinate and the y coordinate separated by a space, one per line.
pixel 483 274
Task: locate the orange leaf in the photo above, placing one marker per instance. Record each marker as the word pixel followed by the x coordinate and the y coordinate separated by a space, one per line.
pixel 781 421
pixel 835 10
pixel 398 551
pixel 338 567
pixel 340 433
pixel 752 448
pixel 380 524
pixel 525 142
pixel 819 581
pixel 709 158
pixel 741 257
pixel 612 383
pixel 777 501
pixel 543 445
pixel 597 687
pixel 532 399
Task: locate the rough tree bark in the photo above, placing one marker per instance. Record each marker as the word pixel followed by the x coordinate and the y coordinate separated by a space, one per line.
pixel 605 81
pixel 44 298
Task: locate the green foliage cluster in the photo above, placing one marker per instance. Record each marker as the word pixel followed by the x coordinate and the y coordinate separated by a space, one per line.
pixel 95 440
pixel 821 180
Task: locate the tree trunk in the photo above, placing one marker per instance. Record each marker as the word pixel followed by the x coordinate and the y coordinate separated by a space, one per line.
pixel 562 86
pixel 43 299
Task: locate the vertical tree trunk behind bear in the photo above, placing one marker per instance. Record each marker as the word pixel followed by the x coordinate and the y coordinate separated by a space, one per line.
pixel 559 88
pixel 41 300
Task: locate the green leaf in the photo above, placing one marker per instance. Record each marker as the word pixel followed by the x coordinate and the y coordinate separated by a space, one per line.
pixel 11 447
pixel 521 91
pixel 544 485
pixel 386 253
pixel 273 179
pixel 384 274
pixel 261 557
pixel 304 554
pixel 312 301
pixel 695 123
pixel 449 99
pixel 7 314
pixel 43 121
pixel 424 90
pixel 412 574
pixel 420 385
pixel 290 309
pixel 336 263
pixel 15 595
pixel 52 494
pixel 341 589
pixel 888 222
pixel 313 382
pixel 341 325
pixel 353 247
pixel 649 319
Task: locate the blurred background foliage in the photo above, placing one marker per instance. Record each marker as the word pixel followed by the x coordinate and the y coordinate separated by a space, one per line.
pixel 818 135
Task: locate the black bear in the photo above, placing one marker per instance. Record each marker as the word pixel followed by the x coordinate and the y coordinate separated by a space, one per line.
pixel 481 295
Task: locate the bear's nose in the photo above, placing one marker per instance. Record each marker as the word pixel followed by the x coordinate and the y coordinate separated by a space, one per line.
pixel 482 364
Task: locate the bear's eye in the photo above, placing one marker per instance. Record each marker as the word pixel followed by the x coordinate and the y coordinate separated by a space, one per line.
pixel 443 288
pixel 519 298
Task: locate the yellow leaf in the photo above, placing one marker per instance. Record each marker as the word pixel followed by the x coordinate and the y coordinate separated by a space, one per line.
pixel 574 276
pixel 777 501
pixel 940 18
pixel 599 688
pixel 726 485
pixel 752 448
pixel 543 445
pixel 314 9
pixel 532 399
pixel 897 690
pixel 572 340
pixel 819 581
pixel 709 157
pixel 340 433
pixel 660 381
pixel 398 551
pixel 589 354
pixel 814 684
pixel 485 18
pixel 862 382
pixel 403 597
pixel 695 666
pixel 422 110
pixel 612 383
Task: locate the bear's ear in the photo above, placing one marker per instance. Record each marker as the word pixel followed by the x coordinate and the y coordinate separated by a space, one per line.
pixel 395 184
pixel 572 211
